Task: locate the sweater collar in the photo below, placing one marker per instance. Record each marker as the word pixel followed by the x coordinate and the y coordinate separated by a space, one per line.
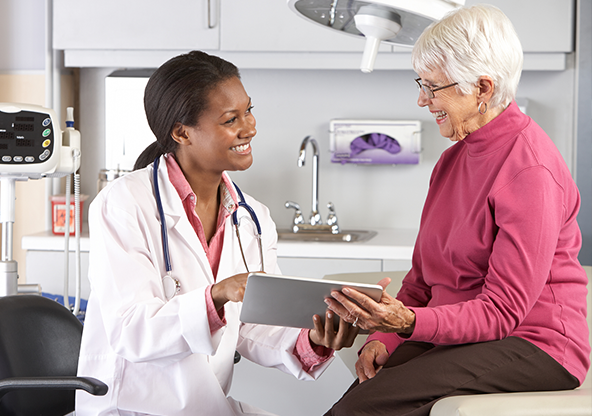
pixel 497 132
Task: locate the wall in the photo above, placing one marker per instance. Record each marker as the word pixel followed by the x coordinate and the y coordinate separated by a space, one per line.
pixel 22 80
pixel 291 104
pixel 584 126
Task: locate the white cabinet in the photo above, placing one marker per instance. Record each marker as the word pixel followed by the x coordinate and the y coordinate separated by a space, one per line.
pixel 318 267
pixel 542 25
pixel 265 34
pixel 135 25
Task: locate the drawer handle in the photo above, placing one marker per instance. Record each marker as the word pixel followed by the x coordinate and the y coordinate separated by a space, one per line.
pixel 211 21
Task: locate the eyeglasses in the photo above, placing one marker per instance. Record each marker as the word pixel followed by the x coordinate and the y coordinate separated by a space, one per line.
pixel 429 90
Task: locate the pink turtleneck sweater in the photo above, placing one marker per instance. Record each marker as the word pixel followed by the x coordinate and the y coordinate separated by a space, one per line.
pixel 496 253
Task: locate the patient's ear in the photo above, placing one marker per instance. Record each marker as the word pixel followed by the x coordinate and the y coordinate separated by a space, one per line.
pixel 486 87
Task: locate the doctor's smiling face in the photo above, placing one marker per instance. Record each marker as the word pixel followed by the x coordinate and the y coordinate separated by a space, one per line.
pixel 221 140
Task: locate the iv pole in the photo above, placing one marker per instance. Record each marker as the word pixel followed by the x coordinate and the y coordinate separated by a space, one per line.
pixel 8 266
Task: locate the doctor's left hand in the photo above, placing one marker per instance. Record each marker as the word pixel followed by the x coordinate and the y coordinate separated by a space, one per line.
pixel 327 336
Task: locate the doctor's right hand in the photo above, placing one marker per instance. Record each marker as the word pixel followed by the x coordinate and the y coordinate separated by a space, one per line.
pixel 372 358
pixel 231 289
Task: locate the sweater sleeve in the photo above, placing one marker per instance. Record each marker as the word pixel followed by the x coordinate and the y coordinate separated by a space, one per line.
pixel 528 212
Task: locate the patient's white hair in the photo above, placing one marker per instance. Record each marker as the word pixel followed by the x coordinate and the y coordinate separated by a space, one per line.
pixel 468 43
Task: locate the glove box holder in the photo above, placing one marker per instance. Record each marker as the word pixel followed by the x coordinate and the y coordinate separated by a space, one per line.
pixel 373 142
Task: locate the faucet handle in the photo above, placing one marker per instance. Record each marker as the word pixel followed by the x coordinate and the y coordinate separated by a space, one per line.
pixel 332 218
pixel 298 218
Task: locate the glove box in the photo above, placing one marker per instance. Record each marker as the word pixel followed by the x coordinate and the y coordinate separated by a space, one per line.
pixel 375 141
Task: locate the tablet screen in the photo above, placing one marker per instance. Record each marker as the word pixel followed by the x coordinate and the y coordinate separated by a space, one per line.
pixel 292 301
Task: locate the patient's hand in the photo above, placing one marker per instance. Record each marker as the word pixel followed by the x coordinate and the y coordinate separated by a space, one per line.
pixel 372 358
pixel 386 315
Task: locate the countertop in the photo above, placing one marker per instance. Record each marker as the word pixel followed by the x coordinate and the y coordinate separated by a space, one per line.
pixel 389 244
pixel 47 241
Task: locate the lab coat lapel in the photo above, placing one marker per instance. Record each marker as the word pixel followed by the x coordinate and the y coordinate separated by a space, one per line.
pixel 177 221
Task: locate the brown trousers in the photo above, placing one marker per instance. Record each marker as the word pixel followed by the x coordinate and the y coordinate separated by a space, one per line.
pixel 418 374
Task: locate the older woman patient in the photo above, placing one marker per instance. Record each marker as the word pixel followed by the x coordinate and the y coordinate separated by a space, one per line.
pixel 496 299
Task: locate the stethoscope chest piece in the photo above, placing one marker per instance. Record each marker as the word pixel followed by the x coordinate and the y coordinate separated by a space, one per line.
pixel 171 286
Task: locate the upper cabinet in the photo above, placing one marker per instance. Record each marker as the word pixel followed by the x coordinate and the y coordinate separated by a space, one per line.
pixel 265 34
pixel 543 26
pixel 136 24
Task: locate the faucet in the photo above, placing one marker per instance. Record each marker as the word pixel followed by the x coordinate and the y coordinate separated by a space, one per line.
pixel 298 218
pixel 332 219
pixel 315 223
pixel 315 217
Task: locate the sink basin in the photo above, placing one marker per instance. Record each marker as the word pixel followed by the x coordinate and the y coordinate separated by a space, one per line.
pixel 346 236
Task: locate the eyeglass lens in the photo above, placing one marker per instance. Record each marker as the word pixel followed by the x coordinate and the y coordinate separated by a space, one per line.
pixel 428 91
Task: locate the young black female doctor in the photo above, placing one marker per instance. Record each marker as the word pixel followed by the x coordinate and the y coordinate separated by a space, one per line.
pixel 163 333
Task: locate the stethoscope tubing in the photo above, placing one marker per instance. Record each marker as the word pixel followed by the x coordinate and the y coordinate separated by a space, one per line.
pixel 163 228
pixel 243 204
pixel 235 220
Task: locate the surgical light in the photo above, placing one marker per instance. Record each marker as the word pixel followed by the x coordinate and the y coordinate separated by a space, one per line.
pixel 396 22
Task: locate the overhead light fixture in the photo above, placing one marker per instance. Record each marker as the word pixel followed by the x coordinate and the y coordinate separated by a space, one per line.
pixel 397 22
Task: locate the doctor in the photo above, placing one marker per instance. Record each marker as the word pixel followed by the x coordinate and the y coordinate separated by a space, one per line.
pixel 162 323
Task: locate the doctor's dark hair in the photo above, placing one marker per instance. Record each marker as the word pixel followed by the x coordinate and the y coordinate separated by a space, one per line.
pixel 177 92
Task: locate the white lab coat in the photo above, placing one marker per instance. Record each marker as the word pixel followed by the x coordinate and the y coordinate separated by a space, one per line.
pixel 158 357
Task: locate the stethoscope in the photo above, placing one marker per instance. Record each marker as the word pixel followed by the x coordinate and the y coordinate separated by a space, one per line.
pixel 171 285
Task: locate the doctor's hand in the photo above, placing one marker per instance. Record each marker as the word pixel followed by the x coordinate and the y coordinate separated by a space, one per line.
pixel 386 315
pixel 327 336
pixel 372 358
pixel 231 289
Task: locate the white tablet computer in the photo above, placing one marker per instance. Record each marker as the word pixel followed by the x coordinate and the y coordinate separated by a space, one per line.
pixel 292 301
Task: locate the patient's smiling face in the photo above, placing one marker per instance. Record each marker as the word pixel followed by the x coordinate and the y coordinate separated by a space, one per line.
pixel 456 114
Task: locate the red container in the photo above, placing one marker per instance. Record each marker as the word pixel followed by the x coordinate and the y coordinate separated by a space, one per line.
pixel 58 214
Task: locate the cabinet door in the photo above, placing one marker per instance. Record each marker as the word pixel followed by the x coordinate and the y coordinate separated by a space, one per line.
pixel 135 24
pixel 270 26
pixel 542 25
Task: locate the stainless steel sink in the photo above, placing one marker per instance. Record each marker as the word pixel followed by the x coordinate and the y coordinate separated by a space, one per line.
pixel 347 236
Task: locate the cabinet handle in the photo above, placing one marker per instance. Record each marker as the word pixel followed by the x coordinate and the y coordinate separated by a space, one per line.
pixel 211 21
